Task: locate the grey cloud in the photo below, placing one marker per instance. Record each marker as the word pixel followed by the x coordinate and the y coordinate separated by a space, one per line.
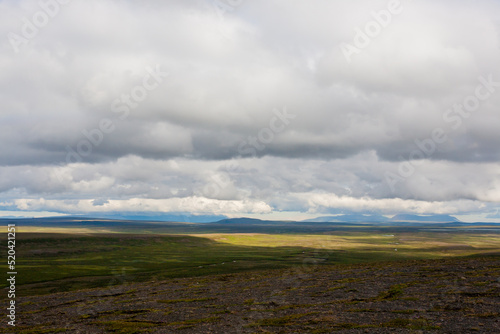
pixel 354 122
pixel 230 87
pixel 282 182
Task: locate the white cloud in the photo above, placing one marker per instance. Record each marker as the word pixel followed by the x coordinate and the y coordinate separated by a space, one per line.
pixel 320 202
pixel 196 205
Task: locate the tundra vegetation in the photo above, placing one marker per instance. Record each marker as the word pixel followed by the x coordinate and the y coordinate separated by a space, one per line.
pixel 340 277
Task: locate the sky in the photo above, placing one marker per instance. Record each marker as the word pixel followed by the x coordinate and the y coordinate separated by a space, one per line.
pixel 274 109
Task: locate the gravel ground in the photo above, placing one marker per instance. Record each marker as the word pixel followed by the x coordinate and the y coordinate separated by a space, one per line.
pixel 425 296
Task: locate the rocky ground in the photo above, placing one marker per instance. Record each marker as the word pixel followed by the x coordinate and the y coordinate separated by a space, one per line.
pixel 424 296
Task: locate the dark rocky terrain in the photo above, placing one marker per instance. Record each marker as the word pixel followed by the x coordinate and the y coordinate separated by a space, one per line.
pixel 421 296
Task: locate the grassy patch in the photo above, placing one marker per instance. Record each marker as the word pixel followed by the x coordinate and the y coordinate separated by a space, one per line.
pixel 362 310
pixel 36 311
pixel 340 326
pixel 249 302
pixel 120 312
pixel 193 322
pixel 393 293
pixel 186 300
pixel 484 315
pixel 127 326
pixel 26 303
pixel 417 324
pixel 404 311
pixel 337 287
pixel 221 312
pixel 348 280
pixel 293 306
pixel 281 321
pixel 41 329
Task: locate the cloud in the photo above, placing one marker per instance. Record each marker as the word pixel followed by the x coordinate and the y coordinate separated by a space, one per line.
pixel 252 185
pixel 323 202
pixel 227 75
pixel 187 204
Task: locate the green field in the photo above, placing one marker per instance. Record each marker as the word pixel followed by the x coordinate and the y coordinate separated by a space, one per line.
pixel 65 261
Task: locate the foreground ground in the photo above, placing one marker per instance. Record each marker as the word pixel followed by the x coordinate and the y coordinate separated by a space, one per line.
pixel 56 262
pixel 459 295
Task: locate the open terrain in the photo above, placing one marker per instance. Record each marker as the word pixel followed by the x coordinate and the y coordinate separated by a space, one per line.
pixel 221 278
pixel 415 296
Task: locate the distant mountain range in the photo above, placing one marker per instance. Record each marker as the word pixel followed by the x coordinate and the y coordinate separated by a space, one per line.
pixel 374 218
pixel 369 218
pixel 425 218
pixel 156 216
pixel 224 220
pixel 244 221
pixel 399 223
pixel 353 218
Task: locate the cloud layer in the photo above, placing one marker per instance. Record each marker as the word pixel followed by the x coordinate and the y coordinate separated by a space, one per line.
pixel 249 108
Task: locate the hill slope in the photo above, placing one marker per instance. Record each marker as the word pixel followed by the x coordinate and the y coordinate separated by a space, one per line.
pixel 448 296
